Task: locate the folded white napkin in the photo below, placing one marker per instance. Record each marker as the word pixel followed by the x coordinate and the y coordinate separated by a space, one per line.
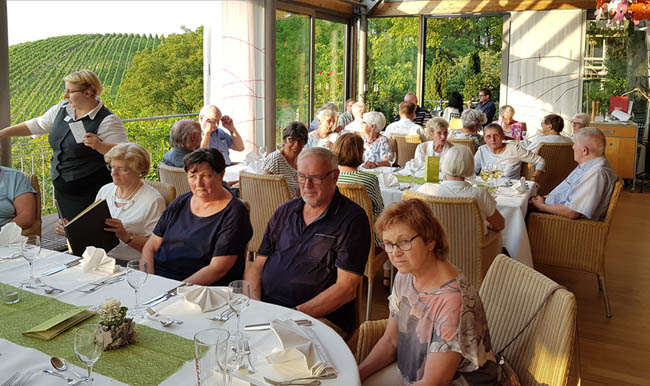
pixel 206 298
pixel 301 347
pixel 96 259
pixel 520 186
pixel 387 180
pixel 10 235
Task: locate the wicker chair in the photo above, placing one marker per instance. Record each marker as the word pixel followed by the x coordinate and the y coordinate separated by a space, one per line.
pixel 470 250
pixel 175 177
pixel 511 293
pixel 405 149
pixel 465 142
pixel 35 228
pixel 559 161
pixel 167 191
pixel 265 193
pixel 573 244
pixel 359 194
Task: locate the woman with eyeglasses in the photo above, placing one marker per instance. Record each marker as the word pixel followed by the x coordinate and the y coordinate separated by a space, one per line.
pixel 201 237
pixel 135 207
pixel 284 162
pixel 81 130
pixel 437 332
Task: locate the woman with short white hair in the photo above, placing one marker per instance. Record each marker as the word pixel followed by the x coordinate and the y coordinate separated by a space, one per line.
pixel 325 135
pixel 377 151
pixel 472 122
pixel 436 131
pixel 457 164
pixel 579 121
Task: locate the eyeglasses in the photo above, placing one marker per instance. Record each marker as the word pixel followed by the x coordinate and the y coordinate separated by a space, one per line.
pixel 481 95
pixel 293 140
pixel 316 180
pixel 117 170
pixel 66 91
pixel 403 245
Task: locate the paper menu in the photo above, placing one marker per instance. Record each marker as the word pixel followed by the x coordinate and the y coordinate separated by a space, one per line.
pixel 78 130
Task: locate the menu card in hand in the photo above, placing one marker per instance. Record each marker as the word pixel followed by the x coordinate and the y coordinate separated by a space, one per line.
pixel 87 229
pixel 59 324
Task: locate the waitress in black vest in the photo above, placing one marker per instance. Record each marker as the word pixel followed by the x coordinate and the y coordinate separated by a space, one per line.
pixel 81 130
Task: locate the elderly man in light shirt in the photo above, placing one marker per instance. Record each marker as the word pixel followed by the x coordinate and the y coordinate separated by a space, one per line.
pixel 216 137
pixel 358 109
pixel 406 126
pixel 588 189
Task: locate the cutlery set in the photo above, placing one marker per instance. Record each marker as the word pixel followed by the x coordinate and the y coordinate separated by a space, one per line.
pixel 102 283
pixel 164 296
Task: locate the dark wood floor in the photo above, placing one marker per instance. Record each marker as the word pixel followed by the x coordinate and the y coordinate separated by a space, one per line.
pixel 612 351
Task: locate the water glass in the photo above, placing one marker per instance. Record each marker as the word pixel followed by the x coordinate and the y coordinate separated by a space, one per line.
pixel 11 293
pixel 238 298
pixel 229 356
pixel 31 248
pixel 206 345
pixel 136 276
pixel 88 345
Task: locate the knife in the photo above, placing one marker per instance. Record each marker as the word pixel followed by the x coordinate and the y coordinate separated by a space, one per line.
pixel 267 326
pixel 164 296
pixel 62 267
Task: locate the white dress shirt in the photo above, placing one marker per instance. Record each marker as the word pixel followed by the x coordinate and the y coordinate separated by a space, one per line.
pixel 405 126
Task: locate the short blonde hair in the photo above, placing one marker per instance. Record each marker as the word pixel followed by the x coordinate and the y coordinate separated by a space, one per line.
pixel 358 108
pixel 418 216
pixel 136 156
pixel 437 123
pixel 87 79
pixel 505 108
pixel 457 161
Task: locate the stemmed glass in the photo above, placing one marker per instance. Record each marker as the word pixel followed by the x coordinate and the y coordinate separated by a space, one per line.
pixel 30 249
pixel 229 356
pixel 238 298
pixel 136 276
pixel 263 152
pixel 88 345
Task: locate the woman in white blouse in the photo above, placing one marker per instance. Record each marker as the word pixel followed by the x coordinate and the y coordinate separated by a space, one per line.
pixel 134 205
pixel 325 135
pixel 504 156
pixel 436 130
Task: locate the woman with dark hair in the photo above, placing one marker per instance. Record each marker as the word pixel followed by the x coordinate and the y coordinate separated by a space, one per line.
pixel 201 237
pixel 454 106
pixel 437 332
pixel 552 126
pixel 284 162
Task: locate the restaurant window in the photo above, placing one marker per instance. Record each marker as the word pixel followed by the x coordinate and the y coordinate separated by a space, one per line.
pixel 329 63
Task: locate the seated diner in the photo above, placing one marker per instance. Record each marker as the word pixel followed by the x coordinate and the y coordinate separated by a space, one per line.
pixel 473 120
pixel 184 138
pixel 284 162
pixel 377 151
pixel 17 198
pixel 552 126
pixel 325 135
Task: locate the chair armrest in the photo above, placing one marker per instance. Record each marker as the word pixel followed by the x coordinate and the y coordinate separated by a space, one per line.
pixel 369 334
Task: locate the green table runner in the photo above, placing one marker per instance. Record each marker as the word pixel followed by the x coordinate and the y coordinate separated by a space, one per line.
pixel 404 179
pixel 155 356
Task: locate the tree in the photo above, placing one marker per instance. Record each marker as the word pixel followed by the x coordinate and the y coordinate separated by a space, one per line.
pixel 436 82
pixel 167 79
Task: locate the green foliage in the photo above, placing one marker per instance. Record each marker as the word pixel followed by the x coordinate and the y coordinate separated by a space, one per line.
pixel 292 68
pixel 436 83
pixel 166 80
pixel 489 77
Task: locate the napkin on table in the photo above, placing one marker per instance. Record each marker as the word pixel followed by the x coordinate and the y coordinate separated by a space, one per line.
pixel 387 180
pixel 58 324
pixel 96 259
pixel 11 235
pixel 206 298
pixel 301 347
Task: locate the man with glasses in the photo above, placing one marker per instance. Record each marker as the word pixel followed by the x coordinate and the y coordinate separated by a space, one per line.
pixel 216 137
pixel 485 104
pixel 314 251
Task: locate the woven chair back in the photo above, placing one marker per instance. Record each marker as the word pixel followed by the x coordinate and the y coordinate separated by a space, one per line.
pixel 413 139
pixel 405 150
pixel 265 193
pixel 559 161
pixel 465 142
pixel 35 228
pixel 393 147
pixel 167 191
pixel 464 227
pixel 613 202
pixel 175 177
pixel 511 293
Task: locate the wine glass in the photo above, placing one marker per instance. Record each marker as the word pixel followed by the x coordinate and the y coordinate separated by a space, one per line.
pixel 263 152
pixel 229 355
pixel 136 276
pixel 88 345
pixel 238 298
pixel 31 248
pixel 206 351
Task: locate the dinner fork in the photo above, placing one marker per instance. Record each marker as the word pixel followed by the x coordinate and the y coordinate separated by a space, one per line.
pixel 23 380
pixel 224 316
pixel 102 285
pixel 11 379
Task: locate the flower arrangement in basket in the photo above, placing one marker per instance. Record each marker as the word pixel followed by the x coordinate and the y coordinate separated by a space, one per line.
pixel 118 330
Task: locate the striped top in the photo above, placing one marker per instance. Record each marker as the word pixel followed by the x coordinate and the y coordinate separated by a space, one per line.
pixel 275 163
pixel 371 182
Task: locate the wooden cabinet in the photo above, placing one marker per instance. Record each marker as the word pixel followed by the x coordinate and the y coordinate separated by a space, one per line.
pixel 621 146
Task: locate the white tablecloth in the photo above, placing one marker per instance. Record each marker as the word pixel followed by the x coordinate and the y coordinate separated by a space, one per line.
pixel 232 172
pixel 261 342
pixel 513 208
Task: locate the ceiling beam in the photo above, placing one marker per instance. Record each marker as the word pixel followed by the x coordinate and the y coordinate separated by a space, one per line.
pixel 447 7
pixel 332 5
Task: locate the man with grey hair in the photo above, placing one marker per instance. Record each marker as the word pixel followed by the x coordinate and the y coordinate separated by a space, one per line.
pixel 588 189
pixel 184 138
pixel 216 137
pixel 472 121
pixel 314 251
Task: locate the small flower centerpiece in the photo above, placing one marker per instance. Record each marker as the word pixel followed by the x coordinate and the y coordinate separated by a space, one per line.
pixel 118 330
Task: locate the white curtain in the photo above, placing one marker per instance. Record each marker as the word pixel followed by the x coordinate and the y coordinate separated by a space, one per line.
pixel 544 65
pixel 234 67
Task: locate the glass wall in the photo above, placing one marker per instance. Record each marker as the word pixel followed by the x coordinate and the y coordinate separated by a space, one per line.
pixel 329 63
pixel 392 62
pixel 292 68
